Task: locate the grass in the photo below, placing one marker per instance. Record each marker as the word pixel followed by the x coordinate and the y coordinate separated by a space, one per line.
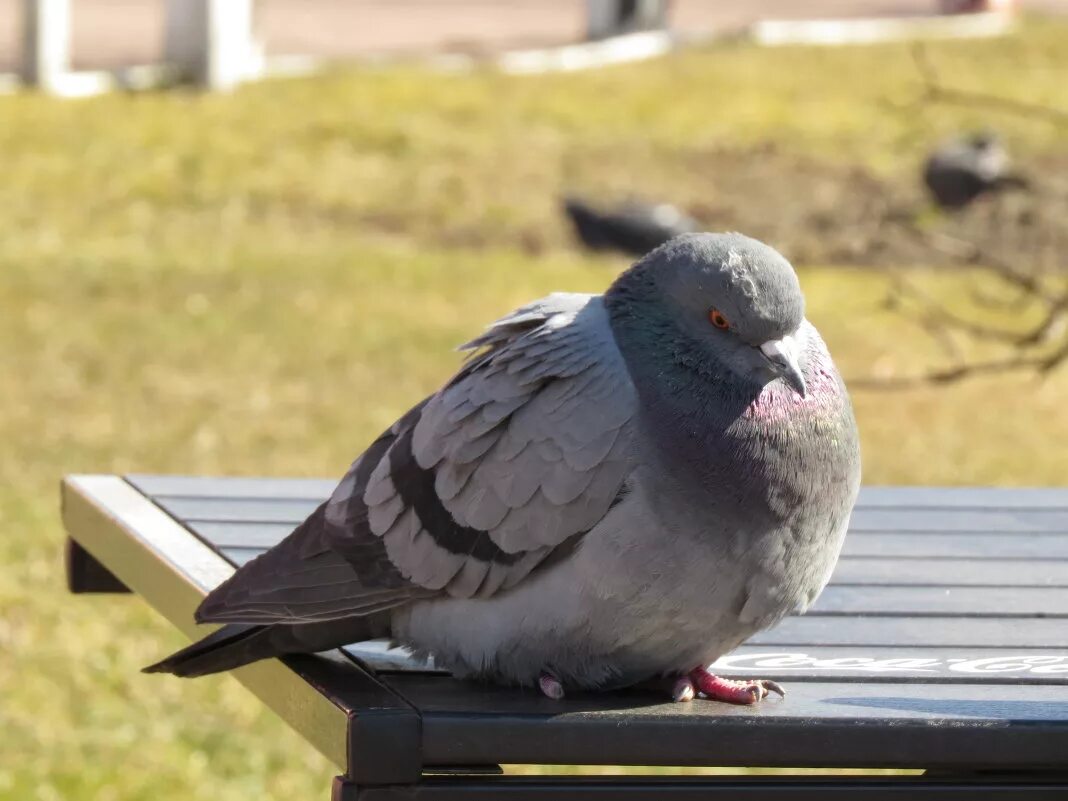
pixel 259 283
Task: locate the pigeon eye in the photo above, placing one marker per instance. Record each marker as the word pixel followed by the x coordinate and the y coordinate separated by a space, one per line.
pixel 715 316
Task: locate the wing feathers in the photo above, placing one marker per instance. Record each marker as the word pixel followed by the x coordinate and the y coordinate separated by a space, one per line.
pixel 520 454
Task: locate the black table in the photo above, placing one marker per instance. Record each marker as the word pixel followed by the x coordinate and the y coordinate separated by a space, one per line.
pixel 941 644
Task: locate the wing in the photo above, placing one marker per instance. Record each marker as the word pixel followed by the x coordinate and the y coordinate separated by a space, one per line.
pixel 313 575
pixel 507 466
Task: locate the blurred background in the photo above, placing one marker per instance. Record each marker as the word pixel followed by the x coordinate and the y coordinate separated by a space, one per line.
pixel 208 267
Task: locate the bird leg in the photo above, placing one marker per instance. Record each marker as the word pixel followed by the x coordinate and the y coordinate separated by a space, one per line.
pixel 550 686
pixel 730 691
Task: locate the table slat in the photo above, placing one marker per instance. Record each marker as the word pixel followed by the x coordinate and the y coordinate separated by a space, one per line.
pixel 952 572
pixel 850 599
pixel 317 489
pixel 291 511
pixel 1023 545
pixel 922 664
pixel 905 600
pixel 963 632
pixel 820 662
pixel 875 572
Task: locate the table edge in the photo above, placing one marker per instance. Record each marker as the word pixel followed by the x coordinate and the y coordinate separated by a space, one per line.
pixel 103 512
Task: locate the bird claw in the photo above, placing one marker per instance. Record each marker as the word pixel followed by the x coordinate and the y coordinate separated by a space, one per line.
pixel 772 686
pixel 730 691
pixel 550 686
pixel 683 691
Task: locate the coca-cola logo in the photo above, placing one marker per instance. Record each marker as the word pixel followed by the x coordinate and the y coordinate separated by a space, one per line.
pixel 1047 665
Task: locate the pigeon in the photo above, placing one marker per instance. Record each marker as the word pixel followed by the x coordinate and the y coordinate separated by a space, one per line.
pixel 633 228
pixel 964 168
pixel 613 489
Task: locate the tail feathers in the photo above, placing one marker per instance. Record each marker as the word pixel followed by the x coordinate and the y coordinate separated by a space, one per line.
pixel 239 644
pixel 1013 181
pixel 227 648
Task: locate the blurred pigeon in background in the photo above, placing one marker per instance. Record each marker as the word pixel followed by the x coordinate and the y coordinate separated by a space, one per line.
pixel 633 228
pixel 964 168
pixel 613 488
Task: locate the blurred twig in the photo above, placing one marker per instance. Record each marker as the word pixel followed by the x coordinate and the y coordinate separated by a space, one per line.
pixel 948 375
pixel 946 326
pixel 935 91
pixel 1041 347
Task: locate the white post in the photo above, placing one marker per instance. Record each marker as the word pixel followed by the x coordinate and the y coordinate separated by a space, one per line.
pixel 212 42
pixel 606 18
pixel 45 42
pixel 602 18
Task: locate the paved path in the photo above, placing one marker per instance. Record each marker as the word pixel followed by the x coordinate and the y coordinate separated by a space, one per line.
pixel 115 32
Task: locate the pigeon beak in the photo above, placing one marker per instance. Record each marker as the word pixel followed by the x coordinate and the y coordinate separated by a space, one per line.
pixel 783 353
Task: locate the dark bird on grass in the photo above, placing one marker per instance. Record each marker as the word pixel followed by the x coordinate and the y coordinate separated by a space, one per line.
pixel 612 488
pixel 964 168
pixel 633 228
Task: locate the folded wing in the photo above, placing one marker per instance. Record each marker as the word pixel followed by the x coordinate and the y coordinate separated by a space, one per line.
pixel 507 466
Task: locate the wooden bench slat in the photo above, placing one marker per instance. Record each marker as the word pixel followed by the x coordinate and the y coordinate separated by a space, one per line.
pixel 912 664
pixel 1029 545
pixel 964 632
pixel 259 536
pixel 997 498
pixel 923 664
pixel 963 520
pixel 868 573
pixel 1021 545
pixel 241 511
pixel 942 601
pixel 292 511
pixel 951 572
pixel 317 489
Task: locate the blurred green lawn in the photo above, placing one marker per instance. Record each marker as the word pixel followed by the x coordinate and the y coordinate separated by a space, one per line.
pixel 258 283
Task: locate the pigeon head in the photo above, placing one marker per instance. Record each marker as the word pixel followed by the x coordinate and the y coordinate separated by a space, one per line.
pixel 983 140
pixel 722 305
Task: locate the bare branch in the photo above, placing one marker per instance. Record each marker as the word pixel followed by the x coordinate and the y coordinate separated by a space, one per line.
pixel 950 375
pixel 970 253
pixel 1042 346
pixel 935 91
pixel 937 316
pixel 1053 325
pixel 936 313
pixel 1055 359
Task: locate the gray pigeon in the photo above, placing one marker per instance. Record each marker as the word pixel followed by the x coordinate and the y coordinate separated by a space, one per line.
pixel 961 170
pixel 633 228
pixel 613 488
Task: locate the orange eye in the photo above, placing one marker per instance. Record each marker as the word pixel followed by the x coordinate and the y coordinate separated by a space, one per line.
pixel 715 316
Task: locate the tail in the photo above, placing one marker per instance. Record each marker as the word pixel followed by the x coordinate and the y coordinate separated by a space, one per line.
pixel 238 644
pixel 1013 181
pixel 302 570
pixel 231 646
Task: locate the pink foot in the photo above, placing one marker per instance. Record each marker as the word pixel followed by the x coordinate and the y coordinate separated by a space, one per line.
pixel 728 690
pixel 550 686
